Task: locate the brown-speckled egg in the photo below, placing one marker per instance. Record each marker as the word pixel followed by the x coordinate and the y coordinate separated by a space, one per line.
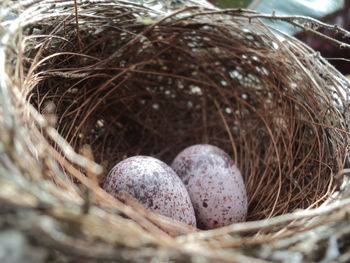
pixel 214 183
pixel 154 184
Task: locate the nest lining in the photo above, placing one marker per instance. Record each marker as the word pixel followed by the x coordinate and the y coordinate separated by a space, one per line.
pixel 120 86
pixel 153 90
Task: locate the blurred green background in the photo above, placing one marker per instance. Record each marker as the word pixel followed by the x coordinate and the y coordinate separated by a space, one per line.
pixel 312 8
pixel 231 3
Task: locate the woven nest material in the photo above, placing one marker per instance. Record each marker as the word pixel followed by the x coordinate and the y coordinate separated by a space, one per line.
pixel 85 86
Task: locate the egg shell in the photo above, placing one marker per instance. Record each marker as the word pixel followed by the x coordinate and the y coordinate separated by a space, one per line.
pixel 214 183
pixel 154 184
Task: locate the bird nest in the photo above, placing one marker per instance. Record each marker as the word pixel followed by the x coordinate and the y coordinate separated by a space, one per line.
pixel 86 85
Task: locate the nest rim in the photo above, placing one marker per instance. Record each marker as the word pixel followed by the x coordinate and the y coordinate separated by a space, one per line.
pixel 46 117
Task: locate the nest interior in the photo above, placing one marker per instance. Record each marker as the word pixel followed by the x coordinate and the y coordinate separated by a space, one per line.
pixel 123 82
pixel 84 86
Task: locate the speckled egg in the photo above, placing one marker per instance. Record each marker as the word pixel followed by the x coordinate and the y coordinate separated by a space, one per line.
pixel 214 184
pixel 154 184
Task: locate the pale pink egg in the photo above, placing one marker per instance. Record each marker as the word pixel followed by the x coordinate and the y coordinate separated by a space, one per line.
pixel 154 184
pixel 214 183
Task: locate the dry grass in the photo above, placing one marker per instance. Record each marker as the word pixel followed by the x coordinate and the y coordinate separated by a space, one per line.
pixel 79 93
